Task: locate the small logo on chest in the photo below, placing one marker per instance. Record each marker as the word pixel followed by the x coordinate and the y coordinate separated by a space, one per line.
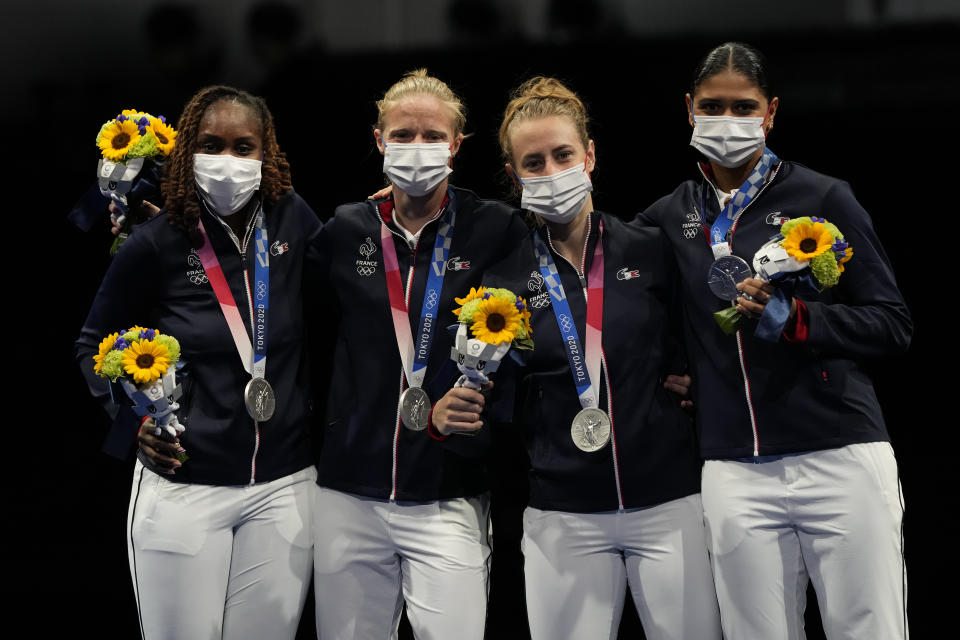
pixel 539 299
pixel 367 267
pixel 777 218
pixel 195 272
pixel 628 274
pixel 691 225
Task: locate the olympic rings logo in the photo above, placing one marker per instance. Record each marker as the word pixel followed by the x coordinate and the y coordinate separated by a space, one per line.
pixel 565 323
pixel 365 270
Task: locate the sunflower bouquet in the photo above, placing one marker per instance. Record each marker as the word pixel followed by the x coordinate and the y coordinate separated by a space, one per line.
pixel 498 319
pixel 133 147
pixel 144 361
pixel 807 256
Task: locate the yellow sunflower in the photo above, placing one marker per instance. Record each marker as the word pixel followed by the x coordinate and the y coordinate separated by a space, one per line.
pixel 105 346
pixel 847 254
pixel 146 360
pixel 473 295
pixel 496 321
pixel 164 133
pixel 117 138
pixel 806 241
pixel 525 317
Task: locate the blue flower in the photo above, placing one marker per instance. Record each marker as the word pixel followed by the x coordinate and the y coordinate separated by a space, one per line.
pixel 519 305
pixel 121 344
pixel 122 118
pixel 148 334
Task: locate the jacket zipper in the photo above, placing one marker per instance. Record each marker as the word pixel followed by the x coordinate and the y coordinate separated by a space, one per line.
pixel 740 354
pixel 242 248
pixel 603 357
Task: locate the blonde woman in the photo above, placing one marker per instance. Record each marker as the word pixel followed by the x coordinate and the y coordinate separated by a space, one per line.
pixel 615 478
pixel 401 515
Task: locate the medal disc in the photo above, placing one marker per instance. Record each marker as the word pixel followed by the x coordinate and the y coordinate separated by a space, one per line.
pixel 259 399
pixel 590 429
pixel 415 408
pixel 725 274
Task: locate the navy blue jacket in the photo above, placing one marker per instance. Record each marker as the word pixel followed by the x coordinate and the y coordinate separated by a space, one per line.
pixel 756 397
pixel 652 456
pixel 157 280
pixel 366 451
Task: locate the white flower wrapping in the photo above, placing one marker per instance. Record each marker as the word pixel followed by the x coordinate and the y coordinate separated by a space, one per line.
pixel 115 180
pixel 476 359
pixel 158 399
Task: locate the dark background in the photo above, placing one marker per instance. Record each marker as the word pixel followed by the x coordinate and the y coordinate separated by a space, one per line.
pixel 867 90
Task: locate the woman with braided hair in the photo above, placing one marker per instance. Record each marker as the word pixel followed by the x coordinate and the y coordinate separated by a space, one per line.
pixel 220 545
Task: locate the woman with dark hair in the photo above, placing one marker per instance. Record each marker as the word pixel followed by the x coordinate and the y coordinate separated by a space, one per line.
pixel 220 545
pixel 615 477
pixel 800 481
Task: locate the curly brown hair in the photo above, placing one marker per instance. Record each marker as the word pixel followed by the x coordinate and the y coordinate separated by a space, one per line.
pixel 179 185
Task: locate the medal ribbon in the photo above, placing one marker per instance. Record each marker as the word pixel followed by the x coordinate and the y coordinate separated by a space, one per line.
pixel 745 194
pixel 585 366
pixel 253 356
pixel 415 357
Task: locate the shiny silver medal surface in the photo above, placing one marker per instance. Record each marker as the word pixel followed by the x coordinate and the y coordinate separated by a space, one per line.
pixel 415 408
pixel 259 399
pixel 725 274
pixel 590 429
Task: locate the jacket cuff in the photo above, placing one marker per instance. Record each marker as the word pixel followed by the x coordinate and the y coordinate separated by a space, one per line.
pixel 799 328
pixel 432 431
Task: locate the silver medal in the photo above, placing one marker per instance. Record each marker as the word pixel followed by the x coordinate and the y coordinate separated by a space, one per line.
pixel 259 399
pixel 415 408
pixel 590 429
pixel 726 273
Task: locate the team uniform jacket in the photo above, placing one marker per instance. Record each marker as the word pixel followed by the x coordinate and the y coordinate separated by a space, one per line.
pixel 651 457
pixel 366 451
pixel 156 280
pixel 808 391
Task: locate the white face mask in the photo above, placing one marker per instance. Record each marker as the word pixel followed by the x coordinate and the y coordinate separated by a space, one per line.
pixel 416 168
pixel 557 198
pixel 225 182
pixel 727 140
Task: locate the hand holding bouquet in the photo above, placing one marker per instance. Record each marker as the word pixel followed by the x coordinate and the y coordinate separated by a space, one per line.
pixel 133 148
pixel 143 361
pixel 497 319
pixel 807 256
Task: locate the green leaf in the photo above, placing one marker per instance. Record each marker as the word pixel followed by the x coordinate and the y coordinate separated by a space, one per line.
pixel 729 320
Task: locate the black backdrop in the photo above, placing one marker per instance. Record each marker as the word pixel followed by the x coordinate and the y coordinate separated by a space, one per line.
pixel 873 107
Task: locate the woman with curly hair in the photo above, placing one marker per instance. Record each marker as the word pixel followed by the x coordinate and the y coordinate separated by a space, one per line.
pixel 219 545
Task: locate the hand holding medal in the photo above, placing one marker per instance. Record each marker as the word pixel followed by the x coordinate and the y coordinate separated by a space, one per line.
pixel 805 257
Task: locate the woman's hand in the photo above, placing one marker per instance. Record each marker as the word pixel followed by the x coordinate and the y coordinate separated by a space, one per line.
pixel 161 453
pixel 146 209
pixel 458 411
pixel 679 385
pixel 383 193
pixel 757 294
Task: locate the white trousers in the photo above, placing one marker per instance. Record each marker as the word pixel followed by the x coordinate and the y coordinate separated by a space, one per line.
pixel 371 555
pixel 220 561
pixel 832 516
pixel 577 566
